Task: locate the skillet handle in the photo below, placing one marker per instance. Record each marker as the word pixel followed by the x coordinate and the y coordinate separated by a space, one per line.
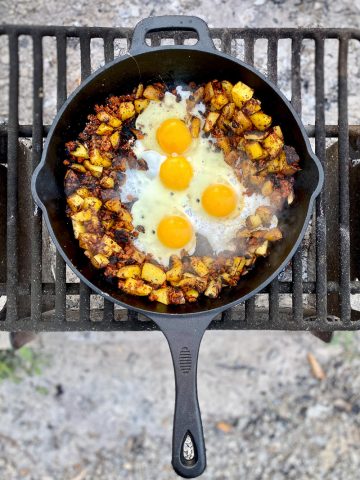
pixel 184 336
pixel 168 23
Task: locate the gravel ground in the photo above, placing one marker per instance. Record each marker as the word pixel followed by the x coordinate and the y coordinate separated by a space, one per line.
pixel 101 409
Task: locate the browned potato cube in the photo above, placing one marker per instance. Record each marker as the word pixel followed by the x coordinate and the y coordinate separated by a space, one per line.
pixel 241 93
pixel 114 139
pixel 111 244
pixel 253 221
pixel 213 289
pixel 75 202
pixel 208 261
pixel 153 274
pixel 261 120
pixel 237 266
pixel 210 121
pixel 141 104
pixel 273 235
pixel 252 106
pixel 273 144
pixel 126 110
pixel 99 261
pixel 262 249
pixel 153 93
pixel 135 286
pixel 195 127
pixel 175 273
pixel 82 216
pixel 278 132
pixel 209 92
pixel 161 295
pixel 228 111
pixel 193 282
pixel 227 88
pixel 78 228
pixel 265 213
pixel 95 170
pixel 191 295
pixel 129 271
pixel 199 267
pixel 92 203
pixel 104 129
pixel 114 205
pixel 219 101
pixel 107 182
pixel 199 94
pixel 267 188
pixel 139 90
pixel 242 120
pixel 80 151
pixel 99 160
pixel 78 168
pixel 83 192
pixel 89 241
pixel 255 135
pixel 115 122
pixel 103 116
pixel 254 149
pixel 224 144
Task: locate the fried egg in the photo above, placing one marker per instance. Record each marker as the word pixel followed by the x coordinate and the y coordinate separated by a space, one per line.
pixel 188 189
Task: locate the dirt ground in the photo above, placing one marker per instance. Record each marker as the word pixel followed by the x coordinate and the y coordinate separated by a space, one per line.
pixel 99 406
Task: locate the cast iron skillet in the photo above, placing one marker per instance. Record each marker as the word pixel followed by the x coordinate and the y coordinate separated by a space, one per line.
pixel 182 325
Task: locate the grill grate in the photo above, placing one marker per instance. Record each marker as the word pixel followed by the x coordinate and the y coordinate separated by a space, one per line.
pixel 32 304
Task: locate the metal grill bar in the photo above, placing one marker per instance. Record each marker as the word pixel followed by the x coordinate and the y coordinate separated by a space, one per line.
pixel 344 199
pixel 321 266
pixel 12 175
pixel 36 243
pixel 296 103
pixel 60 267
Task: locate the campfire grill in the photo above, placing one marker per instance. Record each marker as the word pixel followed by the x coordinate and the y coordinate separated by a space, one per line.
pixel 294 301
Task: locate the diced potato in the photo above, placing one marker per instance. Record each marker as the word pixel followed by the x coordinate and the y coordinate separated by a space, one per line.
pixel 249 261
pixel 227 279
pixel 107 224
pixel 135 286
pixel 129 271
pixel 213 289
pixel 97 159
pixel 99 261
pixel 252 106
pixel 78 168
pixel 195 127
pixel 209 92
pixel 153 93
pixel 115 122
pixel 262 249
pixel 89 241
pixel 80 151
pixel 261 120
pixel 139 91
pixel 267 188
pixel 273 144
pixel 78 228
pixel 104 129
pixel 153 274
pixel 227 88
pixel 278 132
pixel 138 256
pixel 175 273
pixel 111 244
pixel 224 144
pixel 210 121
pixel 92 203
pixel 126 110
pixel 191 295
pixel 218 101
pixel 253 221
pixel 237 266
pixel 125 215
pixel 199 94
pixel 114 139
pixel 75 202
pixel 196 283
pixel 241 93
pixel 265 213
pixel 273 235
pixel 208 261
pixel 82 216
pixel 199 267
pixel 254 149
pixel 114 205
pixel 228 111
pixel 242 120
pixel 83 192
pixel 255 135
pixel 95 170
pixel 244 233
pixel 161 295
pixel 107 182
pixel 141 104
pixel 103 116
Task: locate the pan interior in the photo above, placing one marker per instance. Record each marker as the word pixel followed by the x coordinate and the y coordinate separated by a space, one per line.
pixel 172 67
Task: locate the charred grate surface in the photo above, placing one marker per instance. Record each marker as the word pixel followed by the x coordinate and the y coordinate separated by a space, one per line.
pixel 295 301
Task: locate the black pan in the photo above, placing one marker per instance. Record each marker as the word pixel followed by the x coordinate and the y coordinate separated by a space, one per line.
pixel 182 325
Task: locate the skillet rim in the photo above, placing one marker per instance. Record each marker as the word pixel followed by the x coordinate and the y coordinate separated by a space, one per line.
pixel 133 53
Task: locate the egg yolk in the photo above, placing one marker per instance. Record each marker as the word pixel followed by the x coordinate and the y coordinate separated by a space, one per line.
pixel 176 173
pixel 173 136
pixel 219 200
pixel 174 231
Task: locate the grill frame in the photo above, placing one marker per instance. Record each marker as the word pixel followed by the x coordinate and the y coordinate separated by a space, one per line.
pixel 238 318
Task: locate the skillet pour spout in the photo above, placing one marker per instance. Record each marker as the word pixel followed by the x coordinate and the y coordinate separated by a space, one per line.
pixel 183 325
